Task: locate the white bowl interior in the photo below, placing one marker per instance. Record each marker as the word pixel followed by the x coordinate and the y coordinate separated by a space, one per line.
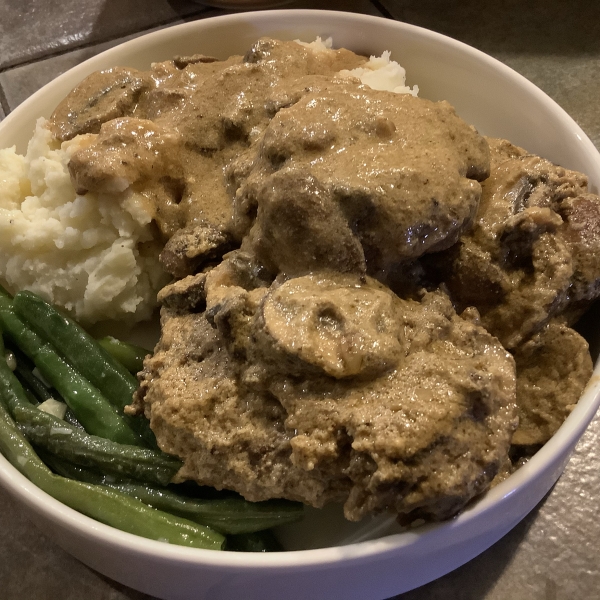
pixel 498 102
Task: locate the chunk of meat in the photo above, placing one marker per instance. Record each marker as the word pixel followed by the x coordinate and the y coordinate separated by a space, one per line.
pixel 186 294
pixel 299 228
pixel 191 247
pixel 532 253
pixel 231 438
pixel 425 436
pixel 553 368
pixel 582 237
pixel 127 150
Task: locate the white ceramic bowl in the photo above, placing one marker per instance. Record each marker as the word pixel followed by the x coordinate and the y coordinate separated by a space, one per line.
pixel 498 102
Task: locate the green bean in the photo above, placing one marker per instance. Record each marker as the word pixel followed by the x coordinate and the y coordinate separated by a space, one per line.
pixel 88 357
pixel 76 445
pixel 86 450
pixel 37 388
pixel 105 505
pixel 94 412
pixel 16 448
pixel 12 443
pixel 129 355
pixel 128 514
pixel 24 372
pixel 13 394
pixel 79 348
pixel 228 515
pixel 71 419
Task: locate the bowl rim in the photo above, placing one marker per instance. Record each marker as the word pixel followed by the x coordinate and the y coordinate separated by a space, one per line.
pixel 565 437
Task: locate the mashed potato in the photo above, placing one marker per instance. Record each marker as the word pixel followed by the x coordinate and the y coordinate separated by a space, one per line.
pixel 382 73
pixel 92 255
pixel 379 72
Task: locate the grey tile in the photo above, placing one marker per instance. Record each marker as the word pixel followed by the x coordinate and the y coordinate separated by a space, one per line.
pixel 51 572
pixel 572 81
pixel 538 26
pixel 37 28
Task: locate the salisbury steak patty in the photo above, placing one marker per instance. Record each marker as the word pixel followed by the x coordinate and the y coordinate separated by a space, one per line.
pixel 381 403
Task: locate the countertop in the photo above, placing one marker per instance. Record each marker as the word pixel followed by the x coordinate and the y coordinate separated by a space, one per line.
pixel 553 553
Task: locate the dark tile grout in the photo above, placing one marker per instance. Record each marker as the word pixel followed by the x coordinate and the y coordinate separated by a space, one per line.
pixel 382 9
pixel 4 106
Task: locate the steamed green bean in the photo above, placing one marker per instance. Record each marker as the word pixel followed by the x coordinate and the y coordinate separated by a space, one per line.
pixel 129 355
pixel 101 503
pixel 92 409
pixel 77 446
pixel 232 515
pixel 85 354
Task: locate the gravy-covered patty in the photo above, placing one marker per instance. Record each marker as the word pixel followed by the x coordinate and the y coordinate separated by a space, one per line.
pixel 331 388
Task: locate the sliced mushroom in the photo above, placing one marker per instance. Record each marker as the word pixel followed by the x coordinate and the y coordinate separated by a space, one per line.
pixel 100 97
pixel 336 323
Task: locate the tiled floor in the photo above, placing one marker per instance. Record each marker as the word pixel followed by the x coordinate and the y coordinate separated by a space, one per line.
pixel 552 554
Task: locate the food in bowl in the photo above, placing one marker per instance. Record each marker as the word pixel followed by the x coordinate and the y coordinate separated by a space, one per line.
pixel 313 362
